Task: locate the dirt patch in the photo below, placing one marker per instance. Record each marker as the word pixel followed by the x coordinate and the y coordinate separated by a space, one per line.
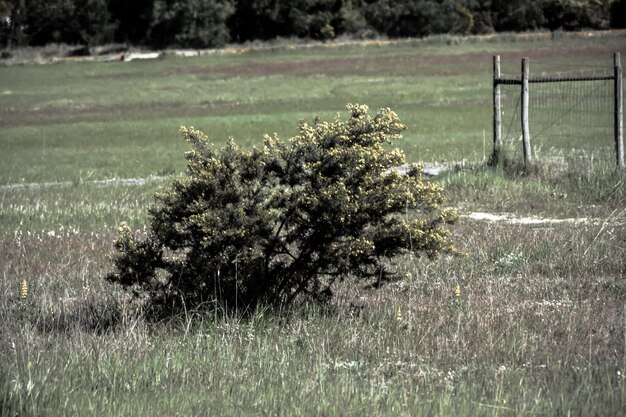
pixel 360 65
pixel 529 220
pixel 402 63
pixel 147 110
pixel 87 113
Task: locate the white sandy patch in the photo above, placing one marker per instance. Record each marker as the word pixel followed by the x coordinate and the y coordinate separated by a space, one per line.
pixel 510 218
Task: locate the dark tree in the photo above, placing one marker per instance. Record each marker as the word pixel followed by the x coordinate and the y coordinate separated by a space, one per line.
pixel 133 19
pixel 190 23
pixel 618 14
pixel 85 22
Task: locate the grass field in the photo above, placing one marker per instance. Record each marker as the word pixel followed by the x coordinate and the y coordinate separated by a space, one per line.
pixel 538 328
pixel 72 121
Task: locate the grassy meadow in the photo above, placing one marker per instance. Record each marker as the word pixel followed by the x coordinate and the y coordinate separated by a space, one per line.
pixel 538 328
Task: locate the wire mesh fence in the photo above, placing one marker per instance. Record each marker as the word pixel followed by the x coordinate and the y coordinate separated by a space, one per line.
pixel 571 112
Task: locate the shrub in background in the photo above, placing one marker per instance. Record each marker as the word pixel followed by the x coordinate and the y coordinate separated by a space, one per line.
pixel 576 14
pixel 268 19
pixel 517 15
pixel 269 225
pixel 415 18
pixel 133 19
pixel 190 23
pixel 38 22
pixel 312 18
pixel 618 14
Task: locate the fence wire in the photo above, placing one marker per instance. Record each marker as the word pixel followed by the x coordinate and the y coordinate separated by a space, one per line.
pixel 568 117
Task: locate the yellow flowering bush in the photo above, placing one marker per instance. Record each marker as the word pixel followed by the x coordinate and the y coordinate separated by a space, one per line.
pixel 272 224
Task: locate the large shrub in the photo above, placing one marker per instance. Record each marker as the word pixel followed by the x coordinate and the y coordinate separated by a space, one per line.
pixel 287 220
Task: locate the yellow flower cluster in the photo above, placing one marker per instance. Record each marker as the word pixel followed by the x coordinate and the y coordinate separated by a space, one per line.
pixel 24 290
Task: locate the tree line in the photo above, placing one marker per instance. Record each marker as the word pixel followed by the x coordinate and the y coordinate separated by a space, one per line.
pixel 214 23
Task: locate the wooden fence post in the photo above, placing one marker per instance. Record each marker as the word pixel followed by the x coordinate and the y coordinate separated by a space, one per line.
pixel 497 105
pixel 525 126
pixel 619 110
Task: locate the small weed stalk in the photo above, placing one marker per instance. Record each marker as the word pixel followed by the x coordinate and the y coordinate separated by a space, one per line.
pixel 399 317
pixel 456 300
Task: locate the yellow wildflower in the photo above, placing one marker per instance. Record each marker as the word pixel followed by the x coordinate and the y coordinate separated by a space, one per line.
pixel 24 292
pixel 399 315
